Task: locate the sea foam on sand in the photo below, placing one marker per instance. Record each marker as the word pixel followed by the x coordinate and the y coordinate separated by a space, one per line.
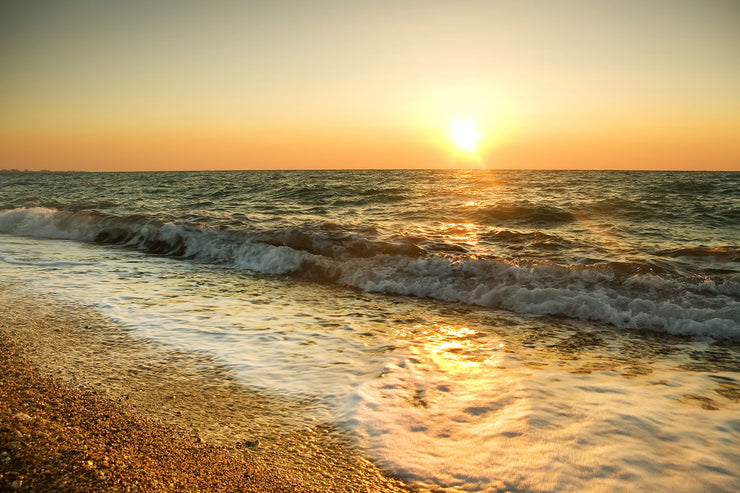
pixel 445 395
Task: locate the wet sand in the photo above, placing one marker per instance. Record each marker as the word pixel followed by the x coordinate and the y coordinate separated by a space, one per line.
pixel 84 406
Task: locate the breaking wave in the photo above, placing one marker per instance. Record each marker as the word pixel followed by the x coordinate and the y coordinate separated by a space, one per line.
pixel 637 295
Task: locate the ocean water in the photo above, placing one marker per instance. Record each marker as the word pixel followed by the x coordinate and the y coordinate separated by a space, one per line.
pixel 469 330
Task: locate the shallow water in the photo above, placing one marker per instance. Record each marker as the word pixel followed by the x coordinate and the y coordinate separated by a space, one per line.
pixel 522 352
pixel 448 396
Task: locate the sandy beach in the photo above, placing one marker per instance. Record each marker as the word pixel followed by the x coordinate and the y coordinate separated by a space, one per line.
pixel 84 406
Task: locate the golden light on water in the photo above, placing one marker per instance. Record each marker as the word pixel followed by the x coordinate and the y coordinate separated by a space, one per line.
pixel 457 233
pixel 454 348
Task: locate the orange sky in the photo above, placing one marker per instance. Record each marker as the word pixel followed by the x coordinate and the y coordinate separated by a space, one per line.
pixel 146 85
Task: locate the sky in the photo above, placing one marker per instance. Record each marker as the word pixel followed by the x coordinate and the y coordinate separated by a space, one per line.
pixel 105 85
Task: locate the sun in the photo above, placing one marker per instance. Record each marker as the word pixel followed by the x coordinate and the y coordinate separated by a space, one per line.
pixel 465 135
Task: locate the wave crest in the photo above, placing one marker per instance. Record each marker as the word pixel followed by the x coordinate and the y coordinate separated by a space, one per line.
pixel 523 213
pixel 625 294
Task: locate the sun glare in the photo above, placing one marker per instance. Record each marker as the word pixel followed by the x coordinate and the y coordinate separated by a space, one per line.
pixel 465 135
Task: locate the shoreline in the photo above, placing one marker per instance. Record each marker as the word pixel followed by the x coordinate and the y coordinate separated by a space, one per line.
pixel 88 407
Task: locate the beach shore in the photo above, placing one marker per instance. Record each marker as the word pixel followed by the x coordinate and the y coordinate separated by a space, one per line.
pixel 85 406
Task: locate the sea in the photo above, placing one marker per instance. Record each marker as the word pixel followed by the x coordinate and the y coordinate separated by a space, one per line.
pixel 468 330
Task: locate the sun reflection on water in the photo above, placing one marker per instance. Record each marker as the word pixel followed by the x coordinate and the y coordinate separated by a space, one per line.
pixel 461 233
pixel 447 408
pixel 452 349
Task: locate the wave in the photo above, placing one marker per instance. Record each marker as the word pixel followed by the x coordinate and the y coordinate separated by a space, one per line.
pixel 721 254
pixel 636 295
pixel 534 239
pixel 523 213
pixel 621 207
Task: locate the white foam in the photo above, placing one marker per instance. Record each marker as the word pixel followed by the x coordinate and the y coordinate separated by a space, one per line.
pixel 38 222
pixel 502 426
pixel 546 289
pixel 451 405
pixel 643 301
pixel 268 259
